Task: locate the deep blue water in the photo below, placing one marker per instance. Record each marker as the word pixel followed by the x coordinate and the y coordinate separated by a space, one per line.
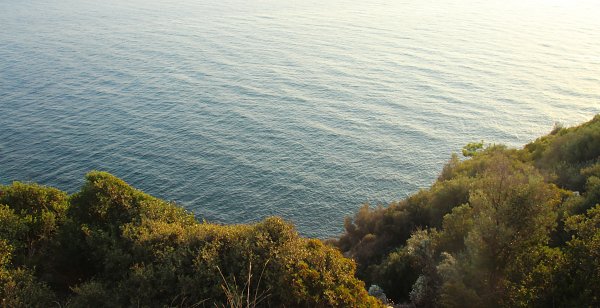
pixel 239 110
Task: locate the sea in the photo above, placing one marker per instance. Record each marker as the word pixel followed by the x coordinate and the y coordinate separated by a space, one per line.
pixel 242 109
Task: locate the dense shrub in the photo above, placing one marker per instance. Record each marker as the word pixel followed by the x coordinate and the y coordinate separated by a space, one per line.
pixel 502 227
pixel 110 245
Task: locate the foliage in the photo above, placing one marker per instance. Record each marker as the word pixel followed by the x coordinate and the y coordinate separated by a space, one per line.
pixel 472 149
pixel 569 154
pixel 30 216
pixel 502 227
pixel 581 273
pixel 111 245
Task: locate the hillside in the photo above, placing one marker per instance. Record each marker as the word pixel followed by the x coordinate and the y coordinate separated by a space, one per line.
pixel 110 245
pixel 501 227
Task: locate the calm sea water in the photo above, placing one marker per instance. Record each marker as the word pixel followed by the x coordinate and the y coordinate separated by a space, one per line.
pixel 241 109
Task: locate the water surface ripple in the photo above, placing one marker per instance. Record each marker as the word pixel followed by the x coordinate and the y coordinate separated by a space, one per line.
pixel 305 109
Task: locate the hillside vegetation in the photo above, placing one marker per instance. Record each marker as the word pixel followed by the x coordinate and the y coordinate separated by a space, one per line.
pixel 110 245
pixel 499 228
pixel 502 227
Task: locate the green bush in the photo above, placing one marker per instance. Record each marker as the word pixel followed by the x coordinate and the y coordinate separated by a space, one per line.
pixel 110 245
pixel 503 227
